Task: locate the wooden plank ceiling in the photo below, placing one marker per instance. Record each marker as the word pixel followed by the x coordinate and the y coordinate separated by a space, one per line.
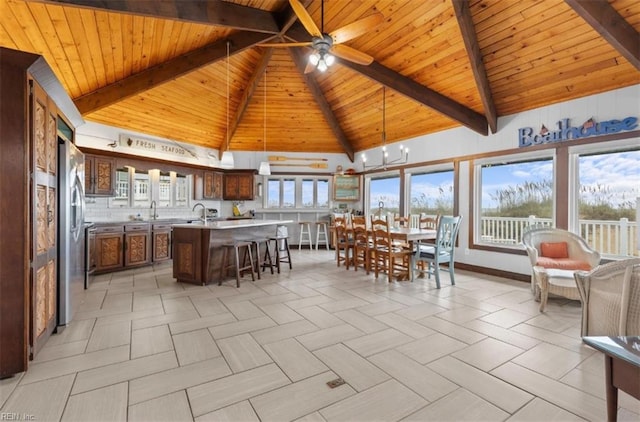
pixel 160 67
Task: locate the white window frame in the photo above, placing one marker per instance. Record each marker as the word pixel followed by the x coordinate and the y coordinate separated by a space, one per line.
pixel 298 191
pixel 505 159
pixel 367 187
pixel 574 176
pixel 437 168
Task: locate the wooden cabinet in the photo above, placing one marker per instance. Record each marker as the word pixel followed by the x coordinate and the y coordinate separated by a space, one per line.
pixel 161 242
pixel 32 101
pixel 188 255
pixel 137 245
pixel 100 175
pixel 109 244
pixel 212 185
pixel 238 186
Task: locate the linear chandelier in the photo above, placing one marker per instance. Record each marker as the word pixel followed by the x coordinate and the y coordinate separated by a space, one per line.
pixel 404 152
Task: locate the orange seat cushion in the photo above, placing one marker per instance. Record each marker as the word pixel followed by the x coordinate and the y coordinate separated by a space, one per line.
pixel 563 263
pixel 554 249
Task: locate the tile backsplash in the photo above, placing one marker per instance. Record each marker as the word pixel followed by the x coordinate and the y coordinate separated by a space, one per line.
pixel 99 209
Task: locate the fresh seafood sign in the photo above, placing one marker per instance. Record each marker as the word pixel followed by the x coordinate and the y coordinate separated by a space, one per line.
pixel 528 136
pixel 153 145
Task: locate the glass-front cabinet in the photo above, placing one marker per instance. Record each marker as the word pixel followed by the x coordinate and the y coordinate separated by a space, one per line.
pixel 137 188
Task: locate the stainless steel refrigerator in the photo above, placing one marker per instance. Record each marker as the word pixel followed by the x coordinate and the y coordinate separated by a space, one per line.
pixel 71 236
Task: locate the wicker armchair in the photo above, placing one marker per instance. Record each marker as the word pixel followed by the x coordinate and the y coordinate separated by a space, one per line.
pixel 558 249
pixel 610 297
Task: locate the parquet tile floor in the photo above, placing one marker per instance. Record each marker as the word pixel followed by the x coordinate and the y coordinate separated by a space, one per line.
pixel 145 348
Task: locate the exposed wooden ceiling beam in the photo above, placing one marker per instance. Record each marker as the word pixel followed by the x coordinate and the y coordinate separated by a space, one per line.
pixel 426 96
pixel 409 88
pixel 255 79
pixel 314 88
pixel 287 17
pixel 167 71
pixel 463 15
pixel 613 27
pixel 219 13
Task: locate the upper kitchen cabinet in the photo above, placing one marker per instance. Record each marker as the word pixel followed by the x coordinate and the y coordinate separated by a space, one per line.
pixel 32 102
pixel 212 188
pixel 100 175
pixel 238 185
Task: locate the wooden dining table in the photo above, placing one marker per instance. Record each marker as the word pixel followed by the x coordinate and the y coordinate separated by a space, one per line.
pixel 407 235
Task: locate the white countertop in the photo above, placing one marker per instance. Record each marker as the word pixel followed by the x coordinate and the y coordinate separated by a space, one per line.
pixel 232 224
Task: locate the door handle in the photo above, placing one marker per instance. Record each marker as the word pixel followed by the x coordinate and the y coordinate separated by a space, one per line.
pixel 49 215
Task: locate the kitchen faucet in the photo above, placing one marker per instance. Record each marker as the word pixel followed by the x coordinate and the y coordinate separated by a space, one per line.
pixel 155 210
pixel 204 211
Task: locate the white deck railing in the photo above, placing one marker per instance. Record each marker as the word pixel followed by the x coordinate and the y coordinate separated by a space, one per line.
pixel 606 236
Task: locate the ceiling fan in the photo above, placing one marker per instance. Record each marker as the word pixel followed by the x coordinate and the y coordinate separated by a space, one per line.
pixel 326 46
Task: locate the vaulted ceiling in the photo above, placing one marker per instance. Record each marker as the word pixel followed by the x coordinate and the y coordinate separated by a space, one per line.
pixel 160 66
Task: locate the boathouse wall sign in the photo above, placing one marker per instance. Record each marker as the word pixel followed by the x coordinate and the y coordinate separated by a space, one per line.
pixel 527 136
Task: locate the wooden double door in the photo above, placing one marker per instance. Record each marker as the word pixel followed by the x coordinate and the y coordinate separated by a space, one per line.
pixel 44 218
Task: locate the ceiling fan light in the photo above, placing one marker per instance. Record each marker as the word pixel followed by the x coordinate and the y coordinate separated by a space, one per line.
pixel 329 59
pixel 322 66
pixel 265 169
pixel 227 161
pixel 314 58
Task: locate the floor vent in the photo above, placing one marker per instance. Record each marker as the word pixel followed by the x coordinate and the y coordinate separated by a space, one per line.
pixel 336 383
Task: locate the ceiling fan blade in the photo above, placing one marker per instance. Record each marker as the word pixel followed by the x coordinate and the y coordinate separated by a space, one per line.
pixel 356 28
pixel 286 44
pixel 351 54
pixel 305 18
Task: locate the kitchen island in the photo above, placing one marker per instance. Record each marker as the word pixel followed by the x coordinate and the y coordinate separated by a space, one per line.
pixel 197 247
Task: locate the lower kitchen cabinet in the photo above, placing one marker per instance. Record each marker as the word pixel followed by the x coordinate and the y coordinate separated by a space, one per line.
pixel 161 242
pixel 109 244
pixel 137 245
pixel 120 246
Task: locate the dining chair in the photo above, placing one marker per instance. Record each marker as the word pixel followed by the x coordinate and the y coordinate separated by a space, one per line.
pixel 362 246
pixel 433 255
pixel 385 255
pixel 427 222
pixel 358 221
pixel 400 221
pixel 344 245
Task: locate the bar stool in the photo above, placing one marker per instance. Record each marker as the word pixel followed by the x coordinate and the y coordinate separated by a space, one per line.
pixel 322 231
pixel 281 247
pixel 305 234
pixel 236 246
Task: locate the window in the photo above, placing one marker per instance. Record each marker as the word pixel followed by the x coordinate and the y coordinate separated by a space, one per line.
pixel 281 193
pixel 607 200
pixel 297 192
pixel 384 195
pixel 308 200
pixel 315 193
pixel 431 193
pixel 512 193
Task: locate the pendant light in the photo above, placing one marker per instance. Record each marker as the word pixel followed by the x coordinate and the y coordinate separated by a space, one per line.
pixel 227 156
pixel 265 168
pixel 404 152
